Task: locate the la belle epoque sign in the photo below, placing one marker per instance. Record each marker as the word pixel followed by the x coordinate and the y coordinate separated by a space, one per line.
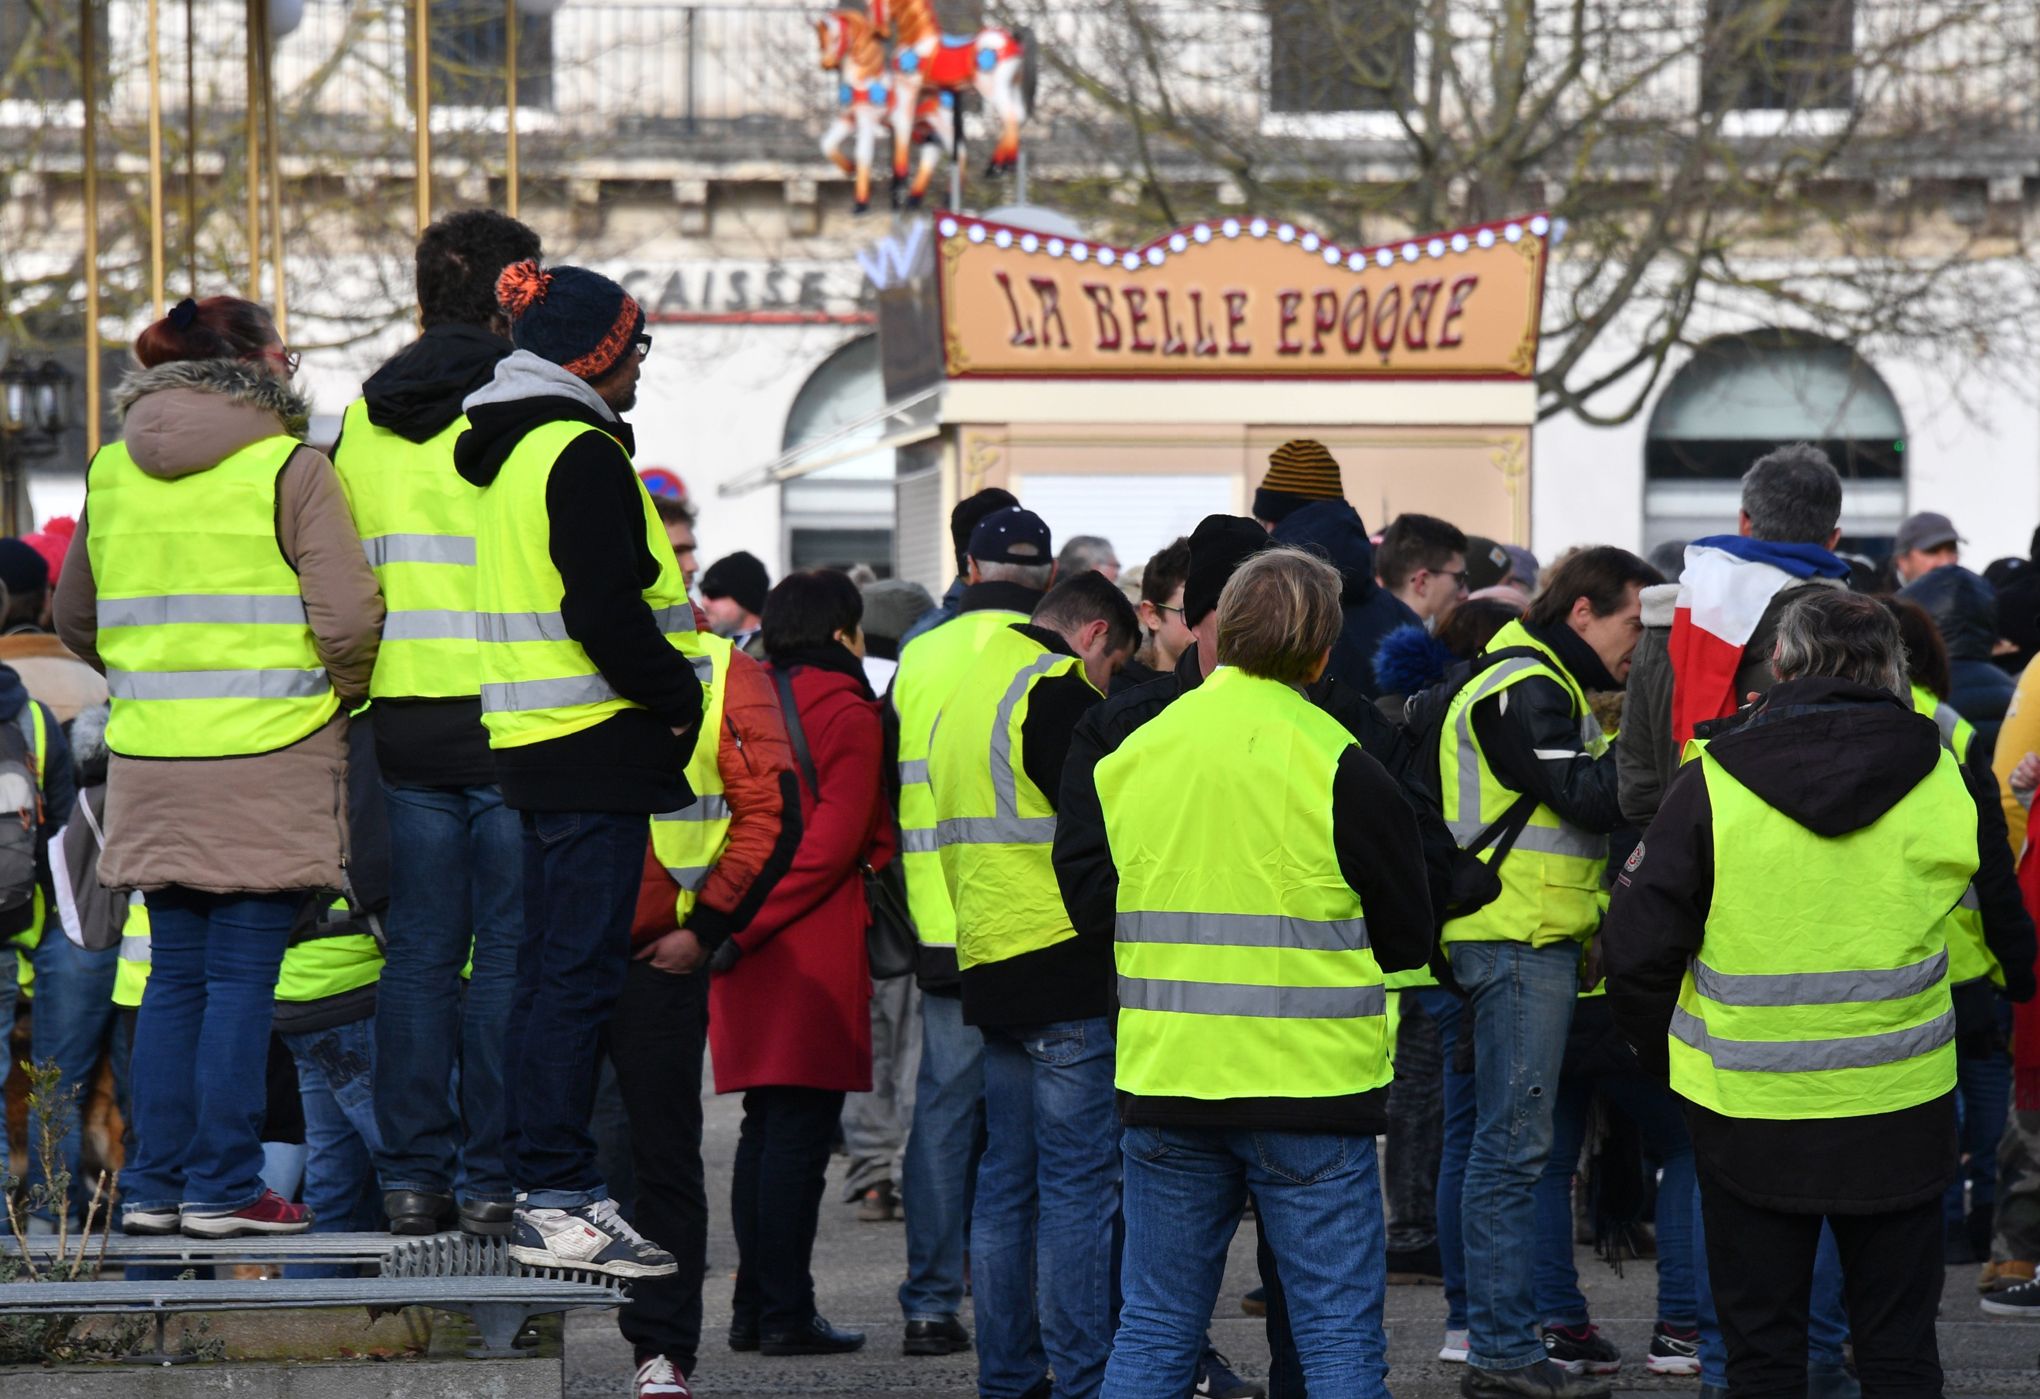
pixel 1241 298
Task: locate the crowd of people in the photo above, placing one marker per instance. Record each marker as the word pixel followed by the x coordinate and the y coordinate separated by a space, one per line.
pixel 406 822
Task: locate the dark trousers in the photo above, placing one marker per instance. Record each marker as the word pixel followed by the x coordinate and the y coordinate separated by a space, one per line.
pixel 581 871
pixel 775 1199
pixel 1761 1265
pixel 656 1041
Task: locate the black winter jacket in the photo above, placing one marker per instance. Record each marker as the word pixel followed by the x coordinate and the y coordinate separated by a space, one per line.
pixel 1533 737
pixel 1380 856
pixel 634 760
pixel 1965 609
pixel 1333 530
pixel 417 394
pixel 1834 757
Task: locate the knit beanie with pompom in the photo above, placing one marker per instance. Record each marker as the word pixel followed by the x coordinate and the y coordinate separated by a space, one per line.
pixel 580 320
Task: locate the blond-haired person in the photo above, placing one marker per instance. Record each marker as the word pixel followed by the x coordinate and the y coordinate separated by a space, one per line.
pixel 1269 874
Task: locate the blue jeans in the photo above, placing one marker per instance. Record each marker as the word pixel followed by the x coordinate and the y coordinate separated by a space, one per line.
pixel 1655 1111
pixel 1827 1326
pixel 941 1162
pixel 456 885
pixel 1042 1227
pixel 1318 1196
pixel 1448 1012
pixel 73 1026
pixel 201 1045
pixel 337 1081
pixel 1520 1000
pixel 581 871
pixel 1983 1090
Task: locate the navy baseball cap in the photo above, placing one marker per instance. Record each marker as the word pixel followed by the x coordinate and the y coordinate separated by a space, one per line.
pixel 1012 535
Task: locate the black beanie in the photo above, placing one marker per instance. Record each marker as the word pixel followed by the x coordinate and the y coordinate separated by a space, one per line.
pixel 741 577
pixel 1218 546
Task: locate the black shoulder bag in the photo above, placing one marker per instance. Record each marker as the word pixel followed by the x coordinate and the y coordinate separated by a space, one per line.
pixel 890 943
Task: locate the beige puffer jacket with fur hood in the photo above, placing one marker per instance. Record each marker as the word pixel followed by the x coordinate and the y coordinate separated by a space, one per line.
pixel 274 821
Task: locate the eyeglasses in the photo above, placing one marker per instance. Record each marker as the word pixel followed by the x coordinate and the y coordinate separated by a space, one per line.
pixel 1164 607
pixel 287 357
pixel 642 343
pixel 1457 575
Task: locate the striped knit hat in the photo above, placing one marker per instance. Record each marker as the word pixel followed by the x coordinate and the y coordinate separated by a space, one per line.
pixel 580 320
pixel 1299 472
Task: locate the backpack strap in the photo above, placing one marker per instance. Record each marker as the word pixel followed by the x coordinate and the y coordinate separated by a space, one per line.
pixel 796 735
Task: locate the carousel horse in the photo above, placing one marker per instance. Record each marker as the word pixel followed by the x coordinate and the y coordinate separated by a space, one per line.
pixel 850 48
pixel 993 61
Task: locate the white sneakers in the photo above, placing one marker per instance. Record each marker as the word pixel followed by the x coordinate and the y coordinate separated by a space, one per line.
pixel 1453 1352
pixel 594 1237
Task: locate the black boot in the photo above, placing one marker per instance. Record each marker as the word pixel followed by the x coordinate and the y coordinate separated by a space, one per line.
pixel 1543 1380
pixel 490 1219
pixel 944 1337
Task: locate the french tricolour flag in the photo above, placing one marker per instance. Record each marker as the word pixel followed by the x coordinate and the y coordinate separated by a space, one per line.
pixel 1727 584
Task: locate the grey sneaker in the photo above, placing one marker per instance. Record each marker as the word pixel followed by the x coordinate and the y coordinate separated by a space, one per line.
pixel 594 1237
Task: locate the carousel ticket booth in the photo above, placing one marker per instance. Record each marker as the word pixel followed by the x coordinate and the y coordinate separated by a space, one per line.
pixel 1129 392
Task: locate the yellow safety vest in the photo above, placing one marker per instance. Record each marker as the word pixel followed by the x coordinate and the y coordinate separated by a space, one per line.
pixel 201 626
pixel 537 682
pixel 1551 880
pixel 994 827
pixel 1969 956
pixel 1821 985
pixel 416 517
pixel 1244 965
pixel 930 667
pixel 316 967
pixel 689 841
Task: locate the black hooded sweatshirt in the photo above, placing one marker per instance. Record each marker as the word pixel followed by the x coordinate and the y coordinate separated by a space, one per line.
pixel 1835 757
pixel 633 760
pixel 431 742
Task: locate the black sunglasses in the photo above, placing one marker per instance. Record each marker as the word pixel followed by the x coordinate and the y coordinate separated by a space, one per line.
pixel 643 342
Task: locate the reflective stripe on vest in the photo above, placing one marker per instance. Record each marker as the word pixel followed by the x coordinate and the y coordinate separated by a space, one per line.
pixel 930 667
pixel 318 967
pixel 689 841
pixel 537 682
pixel 1820 988
pixel 1551 878
pixel 1243 961
pixel 995 828
pixel 208 653
pixel 1970 957
pixel 416 516
pixel 36 736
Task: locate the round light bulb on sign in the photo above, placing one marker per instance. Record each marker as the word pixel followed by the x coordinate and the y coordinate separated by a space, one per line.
pixel 285 16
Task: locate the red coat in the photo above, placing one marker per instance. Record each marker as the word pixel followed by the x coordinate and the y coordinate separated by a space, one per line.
pixel 795 1009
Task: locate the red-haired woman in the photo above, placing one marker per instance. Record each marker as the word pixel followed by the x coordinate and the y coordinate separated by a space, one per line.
pixel 217 579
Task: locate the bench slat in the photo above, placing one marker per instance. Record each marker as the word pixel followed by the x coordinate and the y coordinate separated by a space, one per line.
pixel 450 1293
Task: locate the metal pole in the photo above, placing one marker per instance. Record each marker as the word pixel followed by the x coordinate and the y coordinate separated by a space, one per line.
pixel 510 106
pixel 281 309
pixel 253 135
pixel 155 160
pixel 956 153
pixel 88 51
pixel 421 63
pixel 1020 178
pixel 190 148
pixel 687 32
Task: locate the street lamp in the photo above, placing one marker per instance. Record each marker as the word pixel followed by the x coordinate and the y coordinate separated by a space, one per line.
pixel 35 413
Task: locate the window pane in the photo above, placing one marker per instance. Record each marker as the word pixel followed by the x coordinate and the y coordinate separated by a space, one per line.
pixel 1340 55
pixel 1779 55
pixel 469 42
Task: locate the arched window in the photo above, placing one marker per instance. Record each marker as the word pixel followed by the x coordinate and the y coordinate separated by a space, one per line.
pixel 1741 395
pixel 841 514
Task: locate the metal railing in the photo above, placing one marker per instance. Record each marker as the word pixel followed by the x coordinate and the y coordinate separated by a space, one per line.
pixel 599 71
